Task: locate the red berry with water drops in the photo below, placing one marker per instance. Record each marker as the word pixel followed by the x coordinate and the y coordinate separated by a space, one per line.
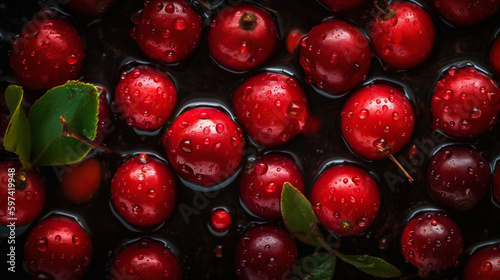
pixel 377 120
pixel 265 252
pixel 465 103
pixel 167 30
pixel 495 55
pixel 242 37
pixel 143 260
pixel 336 56
pixel 431 242
pixel 466 12
pixel 402 35
pixel 27 189
pixel 345 199
pixel 483 264
pixel 90 8
pixel 496 184
pixel 272 109
pixel 48 52
pixel 262 182
pixel 341 5
pixel 58 248
pixel 146 97
pixel 143 191
pixel 220 220
pixel 204 145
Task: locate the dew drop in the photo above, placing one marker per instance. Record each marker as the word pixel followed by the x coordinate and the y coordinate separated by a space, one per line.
pixel 448 94
pixel 270 187
pixel 295 109
pixel 186 146
pixel 363 114
pixel 42 245
pixel 487 266
pixel 137 209
pixel 180 24
pixel 76 240
pixel 219 128
pixel 72 59
pixel 151 193
pixel 261 168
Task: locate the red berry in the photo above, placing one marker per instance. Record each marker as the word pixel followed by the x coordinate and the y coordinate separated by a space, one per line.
pixel 272 108
pixel 90 8
pixel 465 12
pixel 345 199
pixel 104 117
pixel 27 189
pixel 495 55
pixel 220 220
pixel 376 120
pixel 431 242
pixel 204 146
pixel 265 252
pixel 403 38
pixel 146 97
pixel 144 260
pixel 143 191
pixel 293 39
pixel 483 264
pixel 262 182
pixel 463 104
pixel 47 53
pixel 336 56
pixel 242 37
pixel 340 5
pixel 58 248
pixel 81 181
pixel 496 185
pixel 167 30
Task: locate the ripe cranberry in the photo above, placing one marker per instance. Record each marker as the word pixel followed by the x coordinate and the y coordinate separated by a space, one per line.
pixel 340 5
pixel 483 264
pixel 58 248
pixel 167 30
pixel 262 182
pixel 404 36
pixel 143 191
pixel 431 242
pixel 345 199
pixel 458 178
pixel 90 8
pixel 336 56
pixel 146 97
pixel 220 220
pixel 495 55
pixel 144 260
pixel 465 12
pixel 48 52
pixel 27 190
pixel 272 108
pixel 496 185
pixel 465 103
pixel 242 37
pixel 204 146
pixel 265 252
pixel 81 181
pixel 293 39
pixel 104 117
pixel 376 120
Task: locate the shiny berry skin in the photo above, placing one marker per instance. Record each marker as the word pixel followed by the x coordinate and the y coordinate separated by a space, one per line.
pixel 465 12
pixel 458 178
pixel 293 39
pixel 143 191
pixel 265 252
pixel 65 240
pixel 262 182
pixel 463 103
pixel 242 37
pixel 494 55
pixel 496 185
pixel 81 181
pixel 336 56
pixel 431 242
pixel 272 108
pixel 48 52
pixel 143 260
pixel 90 8
pixel 28 191
pixel 146 97
pixel 483 264
pixel 376 120
pixel 220 220
pixel 342 5
pixel 204 146
pixel 104 117
pixel 404 38
pixel 345 199
pixel 167 30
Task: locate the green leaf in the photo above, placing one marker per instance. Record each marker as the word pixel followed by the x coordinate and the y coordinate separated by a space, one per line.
pixel 371 265
pixel 315 267
pixel 299 217
pixel 79 103
pixel 17 137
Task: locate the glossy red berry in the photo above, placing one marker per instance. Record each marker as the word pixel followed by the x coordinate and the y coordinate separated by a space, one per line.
pixel 204 146
pixel 376 120
pixel 293 39
pixel 27 190
pixel 81 181
pixel 431 242
pixel 336 56
pixel 465 12
pixel 496 185
pixel 465 103
pixel 143 260
pixel 341 6
pixel 90 8
pixel 494 55
pixel 104 117
pixel 272 108
pixel 262 182
pixel 404 37
pixel 220 220
pixel 265 252
pixel 242 37
pixel 58 248
pixel 483 264
pixel 146 97
pixel 167 30
pixel 48 52
pixel 143 191
pixel 345 199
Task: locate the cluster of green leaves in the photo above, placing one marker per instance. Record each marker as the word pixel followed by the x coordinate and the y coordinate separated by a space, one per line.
pixel 299 219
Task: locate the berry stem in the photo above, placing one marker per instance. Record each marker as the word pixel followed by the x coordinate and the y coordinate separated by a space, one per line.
pixel 248 21
pixel 68 132
pixel 386 13
pixel 410 179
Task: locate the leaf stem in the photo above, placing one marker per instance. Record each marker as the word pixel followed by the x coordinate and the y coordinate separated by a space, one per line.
pixel 68 132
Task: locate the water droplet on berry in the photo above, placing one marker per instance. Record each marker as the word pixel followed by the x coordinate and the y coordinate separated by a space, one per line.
pixel 363 114
pixel 261 168
pixel 76 240
pixel 42 245
pixel 151 193
pixel 169 56
pixel 180 24
pixel 487 266
pixel 186 146
pixel 137 209
pixel 72 59
pixel 291 82
pixel 464 124
pixel 270 187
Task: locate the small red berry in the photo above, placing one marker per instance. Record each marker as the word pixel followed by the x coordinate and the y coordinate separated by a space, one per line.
pixel 90 8
pixel 81 181
pixel 341 5
pixel 104 117
pixel 483 264
pixel 495 55
pixel 465 12
pixel 220 220
pixel 293 39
